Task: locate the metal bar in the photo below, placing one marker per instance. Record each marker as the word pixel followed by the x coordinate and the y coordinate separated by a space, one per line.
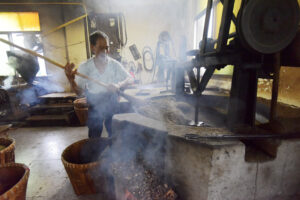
pixel 40 3
pixel 89 53
pixel 196 137
pixel 234 19
pixel 87 38
pixel 64 25
pixel 231 35
pixel 275 86
pixel 225 24
pixel 206 25
pixel 205 78
pixel 226 59
pixel 197 94
pixel 65 35
pixel 202 12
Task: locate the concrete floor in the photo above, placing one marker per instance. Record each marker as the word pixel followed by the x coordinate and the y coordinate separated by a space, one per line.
pixel 40 149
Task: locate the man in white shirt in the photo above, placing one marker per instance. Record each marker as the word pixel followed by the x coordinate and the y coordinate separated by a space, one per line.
pixel 103 102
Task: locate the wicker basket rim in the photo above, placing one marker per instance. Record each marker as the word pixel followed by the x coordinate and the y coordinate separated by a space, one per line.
pixel 81 166
pixel 22 181
pixel 12 144
pixel 75 165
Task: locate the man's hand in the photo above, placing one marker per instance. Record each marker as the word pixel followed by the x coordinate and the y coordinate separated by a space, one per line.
pixel 70 73
pixel 113 88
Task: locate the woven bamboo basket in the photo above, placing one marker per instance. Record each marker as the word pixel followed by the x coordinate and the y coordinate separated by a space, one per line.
pixel 4 129
pixel 13 181
pixel 81 110
pixel 83 168
pixel 7 154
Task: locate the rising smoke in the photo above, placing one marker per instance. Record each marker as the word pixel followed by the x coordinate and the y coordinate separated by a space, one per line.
pixel 31 87
pixel 7 82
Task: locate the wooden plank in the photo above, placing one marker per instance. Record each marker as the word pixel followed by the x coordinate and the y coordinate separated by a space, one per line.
pixel 59 95
pixel 54 106
pixel 46 118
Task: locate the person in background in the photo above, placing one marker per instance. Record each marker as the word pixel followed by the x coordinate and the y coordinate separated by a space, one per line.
pixel 103 102
pixel 165 57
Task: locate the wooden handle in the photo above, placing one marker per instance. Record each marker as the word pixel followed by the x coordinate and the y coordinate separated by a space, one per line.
pixel 126 96
pixel 51 61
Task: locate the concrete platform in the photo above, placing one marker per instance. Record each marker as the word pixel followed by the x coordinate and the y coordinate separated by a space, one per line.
pixel 217 170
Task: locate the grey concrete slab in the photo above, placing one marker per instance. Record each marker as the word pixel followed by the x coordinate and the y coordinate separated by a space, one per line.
pixel 231 178
pixel 204 170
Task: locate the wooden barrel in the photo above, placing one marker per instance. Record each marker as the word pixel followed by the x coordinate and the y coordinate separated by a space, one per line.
pixel 7 150
pixel 81 163
pixel 81 110
pixel 13 181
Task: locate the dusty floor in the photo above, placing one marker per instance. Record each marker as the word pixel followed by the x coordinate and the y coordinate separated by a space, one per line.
pixel 40 149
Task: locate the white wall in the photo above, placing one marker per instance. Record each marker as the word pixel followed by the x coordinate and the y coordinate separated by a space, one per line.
pixel 54 43
pixel 145 20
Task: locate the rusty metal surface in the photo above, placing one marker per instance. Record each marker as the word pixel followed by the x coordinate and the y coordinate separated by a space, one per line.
pixel 269 26
pixel 290 56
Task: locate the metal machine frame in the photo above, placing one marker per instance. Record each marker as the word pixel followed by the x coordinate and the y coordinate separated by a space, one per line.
pixel 248 67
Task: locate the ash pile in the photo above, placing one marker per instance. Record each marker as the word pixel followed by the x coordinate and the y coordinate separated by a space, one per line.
pixel 136 163
pixel 168 110
pixel 142 183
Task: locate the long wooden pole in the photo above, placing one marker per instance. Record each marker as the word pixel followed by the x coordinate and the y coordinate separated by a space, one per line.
pixel 126 96
pixel 52 61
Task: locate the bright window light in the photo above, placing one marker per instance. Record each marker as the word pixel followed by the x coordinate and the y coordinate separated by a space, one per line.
pixel 5 69
pixel 19 21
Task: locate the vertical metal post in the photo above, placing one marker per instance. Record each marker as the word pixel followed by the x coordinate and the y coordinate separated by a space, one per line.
pixel 86 34
pixel 225 24
pixel 202 51
pixel 206 25
pixel 242 103
pixel 65 36
pixel 275 86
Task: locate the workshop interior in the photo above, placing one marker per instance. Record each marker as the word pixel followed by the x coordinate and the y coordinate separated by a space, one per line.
pixel 212 111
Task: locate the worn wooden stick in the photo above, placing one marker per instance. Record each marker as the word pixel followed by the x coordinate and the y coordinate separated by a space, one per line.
pixel 51 61
pixel 126 96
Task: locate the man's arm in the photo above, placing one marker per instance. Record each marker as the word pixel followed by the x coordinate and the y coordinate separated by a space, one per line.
pixel 128 81
pixel 123 78
pixel 70 73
